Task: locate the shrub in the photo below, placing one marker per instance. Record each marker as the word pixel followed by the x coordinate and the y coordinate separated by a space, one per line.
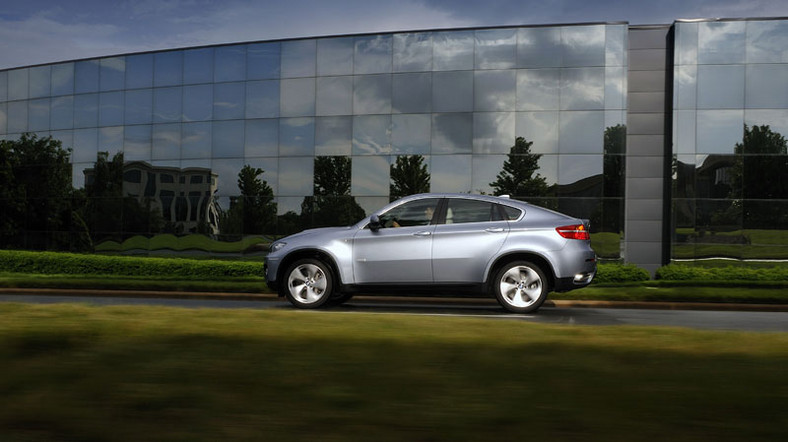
pixel 679 272
pixel 71 263
pixel 616 273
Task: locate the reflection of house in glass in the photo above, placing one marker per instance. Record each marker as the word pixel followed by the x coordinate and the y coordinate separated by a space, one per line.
pixel 184 197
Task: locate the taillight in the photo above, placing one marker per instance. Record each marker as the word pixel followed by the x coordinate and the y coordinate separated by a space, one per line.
pixel 576 231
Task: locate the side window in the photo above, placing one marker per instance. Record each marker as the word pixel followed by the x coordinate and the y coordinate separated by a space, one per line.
pixel 413 213
pixel 512 213
pixel 470 211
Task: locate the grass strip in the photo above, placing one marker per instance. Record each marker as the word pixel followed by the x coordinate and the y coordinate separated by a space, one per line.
pixel 77 372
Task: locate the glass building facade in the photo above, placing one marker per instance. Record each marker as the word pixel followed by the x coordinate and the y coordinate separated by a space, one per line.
pixel 219 148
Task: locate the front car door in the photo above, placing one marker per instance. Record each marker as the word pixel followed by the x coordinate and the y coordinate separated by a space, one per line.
pixel 400 251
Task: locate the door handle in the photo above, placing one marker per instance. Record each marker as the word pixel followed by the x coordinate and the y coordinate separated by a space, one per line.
pixel 494 230
pixel 422 233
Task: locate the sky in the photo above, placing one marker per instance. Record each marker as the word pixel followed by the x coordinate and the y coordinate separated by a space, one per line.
pixel 45 31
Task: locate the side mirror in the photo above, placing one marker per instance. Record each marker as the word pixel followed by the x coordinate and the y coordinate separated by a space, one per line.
pixel 374 223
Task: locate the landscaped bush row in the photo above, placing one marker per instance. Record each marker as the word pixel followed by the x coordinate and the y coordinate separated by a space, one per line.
pixel 678 272
pixel 615 273
pixel 71 263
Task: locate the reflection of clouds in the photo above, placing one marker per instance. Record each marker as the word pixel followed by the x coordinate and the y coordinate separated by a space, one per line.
pixel 335 56
pixel 450 173
pixel 452 133
pixel 298 58
pixel 494 90
pixel 721 42
pixel 493 132
pixel 410 134
pixel 496 49
pixel 297 136
pixel 297 97
pixel 686 51
pixel 196 140
pixel 615 88
pixel 452 50
pixel 582 88
pixel 262 99
pixel 371 134
pixel 111 139
pixel 166 141
pixel 296 176
pixel 370 176
pixel 136 143
pixel 85 145
pixel 776 119
pixel 262 138
pixel 413 52
pixel 228 101
pixel 538 89
pixel 582 132
pixel 372 94
pixel 541 128
pixel 719 130
pixel 615 45
pixel 686 79
pixel 334 96
pixel 720 87
pixel 372 54
pixel 583 45
pixel 333 136
pixel 767 41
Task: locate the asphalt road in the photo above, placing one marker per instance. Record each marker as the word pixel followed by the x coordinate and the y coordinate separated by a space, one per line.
pixel 714 320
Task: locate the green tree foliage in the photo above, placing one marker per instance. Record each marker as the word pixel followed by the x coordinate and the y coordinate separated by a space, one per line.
pixel 409 176
pixel 519 177
pixel 331 203
pixel 253 212
pixel 36 192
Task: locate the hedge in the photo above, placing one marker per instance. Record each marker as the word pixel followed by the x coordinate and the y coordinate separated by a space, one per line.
pixel 17 261
pixel 618 273
pixel 679 272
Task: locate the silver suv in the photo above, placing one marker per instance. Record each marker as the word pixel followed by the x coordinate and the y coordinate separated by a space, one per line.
pixel 441 243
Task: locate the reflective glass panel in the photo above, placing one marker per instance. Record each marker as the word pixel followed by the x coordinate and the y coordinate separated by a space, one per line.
pixel 493 132
pixel 371 135
pixel 581 132
pixel 62 79
pixel 410 134
pixel 485 171
pixel 370 176
pixel 262 99
pixel 110 140
pixel 197 102
pixel 40 81
pixel 226 171
pixel 686 43
pixel 85 146
pixel 262 138
pixel 372 94
pixel 113 73
pixel 452 133
pixel 168 68
pixel 583 89
pixel 86 75
pixel 684 132
pixel 496 49
pixel 111 109
pixel 3 86
pixel 412 52
pixel 298 58
pixel 295 177
pixel 3 119
pixel 62 114
pixel 538 47
pixel 767 41
pixel 540 128
pixel 494 90
pixel 372 54
pixel 296 136
pixel 335 56
pixel 721 42
pixel 719 130
pixel 411 93
pixel 228 139
pixel 86 110
pixel 616 45
pixel 615 88
pixel 198 66
pixel 538 89
pixel 228 101
pixel 777 119
pixel 453 51
pixel 686 80
pixel 583 45
pixel 196 140
pixel 262 61
pixel 166 140
pixel 270 168
pixel 139 71
pixel 720 87
pixel 297 97
pixel 572 169
pixel 136 143
pixel 450 173
pixel 333 135
pixel 168 105
pixel 38 115
pixel 18 84
pixel 766 86
pixel 17 117
pixel 230 63
pixel 139 106
pixel 334 96
pixel 452 91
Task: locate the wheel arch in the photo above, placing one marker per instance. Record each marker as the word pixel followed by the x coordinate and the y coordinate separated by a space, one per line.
pixel 532 257
pixel 320 255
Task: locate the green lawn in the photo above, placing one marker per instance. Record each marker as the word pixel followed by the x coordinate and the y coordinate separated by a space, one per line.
pixel 74 372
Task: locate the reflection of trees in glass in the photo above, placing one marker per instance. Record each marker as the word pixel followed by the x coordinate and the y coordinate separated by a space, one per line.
pixel 36 194
pixel 331 204
pixel 255 210
pixel 409 176
pixel 519 177
pixel 613 176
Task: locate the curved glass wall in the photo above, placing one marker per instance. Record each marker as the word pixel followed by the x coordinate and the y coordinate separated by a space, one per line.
pixel 730 187
pixel 223 147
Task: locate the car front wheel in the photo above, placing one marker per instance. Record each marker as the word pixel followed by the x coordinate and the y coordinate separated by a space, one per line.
pixel 309 283
pixel 520 287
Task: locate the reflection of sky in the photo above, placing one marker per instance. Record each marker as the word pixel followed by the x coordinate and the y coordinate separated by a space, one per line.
pixel 85 145
pixel 298 58
pixel 496 49
pixel 227 176
pixel 110 140
pixel 494 90
pixel 372 203
pixel 776 119
pixel 573 168
pixel 541 128
pixel 285 204
pixel 451 173
pixel 371 134
pixel 297 136
pixel 721 42
pixel 719 130
pixel 453 51
pixel 296 176
pixel 372 54
pixel 410 134
pixel 767 41
pixel 582 88
pixel 372 94
pixel 270 173
pixel 370 176
pixel 297 97
pixel 412 52
pixel 166 141
pixel 335 56
pixel 136 143
pixel 485 171
pixel 196 140
pixel 493 132
pixel 333 136
pixel 334 96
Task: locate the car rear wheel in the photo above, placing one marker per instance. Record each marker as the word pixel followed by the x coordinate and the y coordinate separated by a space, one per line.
pixel 309 283
pixel 520 287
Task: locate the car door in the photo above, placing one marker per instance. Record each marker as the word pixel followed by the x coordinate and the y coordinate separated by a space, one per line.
pixel 400 251
pixel 464 244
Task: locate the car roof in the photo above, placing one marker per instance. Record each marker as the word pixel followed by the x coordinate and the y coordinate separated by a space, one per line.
pixel 490 198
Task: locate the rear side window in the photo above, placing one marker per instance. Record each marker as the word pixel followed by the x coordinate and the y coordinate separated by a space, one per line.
pixel 461 211
pixel 512 213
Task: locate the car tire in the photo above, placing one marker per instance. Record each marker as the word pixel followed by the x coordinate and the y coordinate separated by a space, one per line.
pixel 308 283
pixel 339 299
pixel 520 287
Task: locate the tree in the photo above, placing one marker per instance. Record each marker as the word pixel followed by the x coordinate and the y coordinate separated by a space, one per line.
pixel 254 211
pixel 409 176
pixel 519 177
pixel 331 203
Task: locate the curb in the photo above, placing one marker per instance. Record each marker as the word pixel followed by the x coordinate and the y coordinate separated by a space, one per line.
pixel 642 305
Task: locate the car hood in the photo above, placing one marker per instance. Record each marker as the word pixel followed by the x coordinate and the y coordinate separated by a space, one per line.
pixel 322 232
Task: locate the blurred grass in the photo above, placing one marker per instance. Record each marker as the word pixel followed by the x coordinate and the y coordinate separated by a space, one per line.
pixel 76 372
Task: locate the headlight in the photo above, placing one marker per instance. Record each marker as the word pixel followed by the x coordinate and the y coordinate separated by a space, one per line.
pixel 277 246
